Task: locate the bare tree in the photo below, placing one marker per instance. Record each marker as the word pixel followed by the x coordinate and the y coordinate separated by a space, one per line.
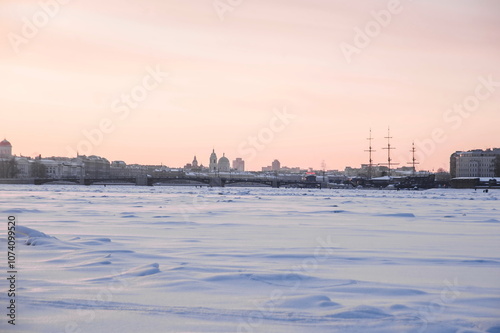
pixel 8 168
pixel 497 166
pixel 38 170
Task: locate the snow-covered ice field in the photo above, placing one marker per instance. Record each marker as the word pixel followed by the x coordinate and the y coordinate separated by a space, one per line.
pixel 185 259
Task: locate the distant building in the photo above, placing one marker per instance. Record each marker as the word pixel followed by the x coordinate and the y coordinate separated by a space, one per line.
pixel 24 167
pixel 53 168
pixel 193 166
pixel 224 165
pixel 8 163
pixel 5 149
pixel 134 170
pixel 474 163
pixel 276 165
pixel 118 164
pixel 62 167
pixel 71 168
pixel 95 166
pixel 286 169
pixel 118 169
pixel 221 165
pixel 50 167
pixel 213 167
pixel 239 164
pixel 453 164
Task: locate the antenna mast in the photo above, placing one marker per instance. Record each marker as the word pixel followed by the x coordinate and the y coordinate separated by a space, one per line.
pixel 370 151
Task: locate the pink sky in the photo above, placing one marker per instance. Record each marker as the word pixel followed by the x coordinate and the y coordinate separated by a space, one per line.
pixel 227 78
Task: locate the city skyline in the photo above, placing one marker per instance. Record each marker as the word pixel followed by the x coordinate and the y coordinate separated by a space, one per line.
pixel 238 164
pixel 301 81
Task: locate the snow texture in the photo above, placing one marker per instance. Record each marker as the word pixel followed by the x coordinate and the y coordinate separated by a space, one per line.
pixel 180 259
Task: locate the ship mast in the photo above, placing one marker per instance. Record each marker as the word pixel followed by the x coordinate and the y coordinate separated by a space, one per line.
pixel 413 159
pixel 389 148
pixel 370 151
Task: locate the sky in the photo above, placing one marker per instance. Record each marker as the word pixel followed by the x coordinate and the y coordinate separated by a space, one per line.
pixel 301 81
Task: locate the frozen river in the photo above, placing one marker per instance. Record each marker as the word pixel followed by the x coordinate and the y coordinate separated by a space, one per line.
pixel 184 259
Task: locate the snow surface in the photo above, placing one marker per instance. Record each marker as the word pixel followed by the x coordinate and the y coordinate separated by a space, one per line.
pixel 184 259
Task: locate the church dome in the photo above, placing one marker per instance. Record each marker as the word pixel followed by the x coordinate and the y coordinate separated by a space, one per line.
pixel 224 165
pixel 5 143
pixel 223 159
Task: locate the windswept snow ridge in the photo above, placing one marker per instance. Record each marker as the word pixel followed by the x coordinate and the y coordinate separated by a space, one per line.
pixel 174 259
